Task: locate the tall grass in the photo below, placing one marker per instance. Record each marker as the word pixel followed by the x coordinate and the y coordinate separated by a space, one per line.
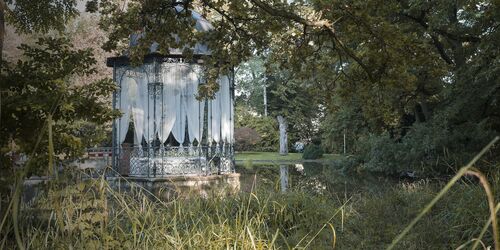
pixel 71 213
pixel 91 214
pixel 466 170
pixel 427 214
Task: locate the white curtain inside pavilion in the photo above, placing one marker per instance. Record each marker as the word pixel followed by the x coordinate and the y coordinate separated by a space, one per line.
pixel 175 110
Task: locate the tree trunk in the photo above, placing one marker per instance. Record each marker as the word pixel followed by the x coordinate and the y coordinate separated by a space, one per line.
pixel 283 135
pixel 457 47
pixel 425 110
pixel 3 7
pixel 265 100
pixel 345 146
pixel 416 112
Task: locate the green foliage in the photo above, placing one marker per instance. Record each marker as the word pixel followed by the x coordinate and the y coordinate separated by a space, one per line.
pixel 296 101
pixel 378 217
pixel 83 219
pixel 250 80
pixel 285 96
pixel 312 152
pixel 41 16
pixel 40 85
pixel 429 149
pixel 382 154
pixel 246 138
pixel 266 127
pixel 427 110
pixel 345 119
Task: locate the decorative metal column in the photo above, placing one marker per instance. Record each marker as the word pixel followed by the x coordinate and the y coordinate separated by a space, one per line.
pixel 114 152
pixel 155 91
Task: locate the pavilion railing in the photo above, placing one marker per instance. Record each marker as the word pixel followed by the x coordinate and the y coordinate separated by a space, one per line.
pixel 161 161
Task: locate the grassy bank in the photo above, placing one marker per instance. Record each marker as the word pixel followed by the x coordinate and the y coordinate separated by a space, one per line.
pixel 314 214
pixel 273 156
pixel 91 215
pixel 380 208
pixel 454 222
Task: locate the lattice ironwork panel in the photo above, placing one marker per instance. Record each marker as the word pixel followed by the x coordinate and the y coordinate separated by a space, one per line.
pixel 165 161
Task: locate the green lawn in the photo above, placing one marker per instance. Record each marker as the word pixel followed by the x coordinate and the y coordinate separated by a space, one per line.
pixel 273 156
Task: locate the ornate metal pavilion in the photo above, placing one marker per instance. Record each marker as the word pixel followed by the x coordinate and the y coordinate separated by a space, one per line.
pixel 165 130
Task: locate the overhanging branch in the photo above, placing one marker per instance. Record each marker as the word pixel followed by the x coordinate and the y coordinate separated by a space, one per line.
pixel 323 24
pixel 435 41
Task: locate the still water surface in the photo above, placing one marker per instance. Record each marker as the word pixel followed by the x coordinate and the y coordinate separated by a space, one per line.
pixel 314 177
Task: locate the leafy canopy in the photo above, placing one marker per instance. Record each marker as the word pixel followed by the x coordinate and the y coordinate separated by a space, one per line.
pixel 41 85
pixel 403 67
pixel 40 16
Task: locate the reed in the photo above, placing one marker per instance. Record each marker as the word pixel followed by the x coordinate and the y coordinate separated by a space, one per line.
pixel 466 170
pixel 91 214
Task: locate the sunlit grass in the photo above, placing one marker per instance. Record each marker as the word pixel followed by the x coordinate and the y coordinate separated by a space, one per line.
pixel 93 215
pixel 274 156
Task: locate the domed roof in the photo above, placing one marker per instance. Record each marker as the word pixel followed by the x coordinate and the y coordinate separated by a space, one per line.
pixel 201 25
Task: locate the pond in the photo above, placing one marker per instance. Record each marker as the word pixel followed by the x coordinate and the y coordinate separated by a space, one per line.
pixel 322 178
pixel 324 204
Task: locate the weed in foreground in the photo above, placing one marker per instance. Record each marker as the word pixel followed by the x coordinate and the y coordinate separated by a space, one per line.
pixel 90 214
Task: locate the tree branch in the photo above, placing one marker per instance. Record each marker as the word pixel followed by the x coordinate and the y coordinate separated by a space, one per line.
pixel 324 24
pixel 435 40
pixel 440 48
pixel 227 17
pixel 463 38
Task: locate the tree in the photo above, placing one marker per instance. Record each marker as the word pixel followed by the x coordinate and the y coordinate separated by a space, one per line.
pixel 40 86
pixel 404 66
pixel 427 97
pixel 35 16
pixel 266 128
pixel 293 99
pixel 43 82
pixel 84 33
pixel 286 96
pixel 241 28
pixel 250 82
pixel 55 75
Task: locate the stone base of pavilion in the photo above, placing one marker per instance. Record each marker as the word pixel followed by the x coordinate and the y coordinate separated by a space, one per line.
pixel 167 188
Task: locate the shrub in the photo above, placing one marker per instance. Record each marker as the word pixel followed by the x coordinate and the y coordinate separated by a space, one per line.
pixel 266 127
pixel 312 152
pixel 246 138
pixel 428 148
